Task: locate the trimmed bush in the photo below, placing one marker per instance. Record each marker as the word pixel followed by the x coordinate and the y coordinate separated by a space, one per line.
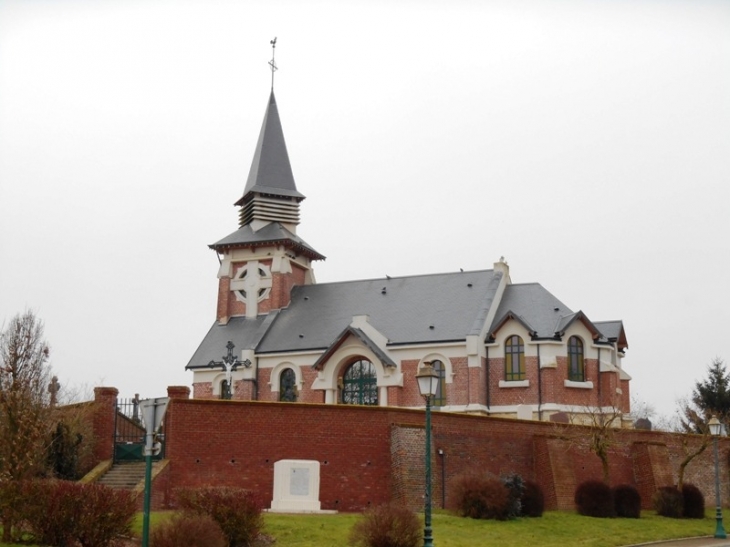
pixel 693 502
pixel 188 530
pixel 62 513
pixel 480 497
pixel 515 487
pixel 533 500
pixel 627 501
pixel 237 511
pixel 387 525
pixel 668 502
pixel 594 499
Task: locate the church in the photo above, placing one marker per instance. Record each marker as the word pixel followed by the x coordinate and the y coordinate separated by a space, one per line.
pixel 500 349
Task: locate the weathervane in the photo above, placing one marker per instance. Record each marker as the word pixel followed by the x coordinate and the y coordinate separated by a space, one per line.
pixel 230 363
pixel 272 63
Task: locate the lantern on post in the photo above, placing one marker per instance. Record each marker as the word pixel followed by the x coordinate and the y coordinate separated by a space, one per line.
pixel 428 383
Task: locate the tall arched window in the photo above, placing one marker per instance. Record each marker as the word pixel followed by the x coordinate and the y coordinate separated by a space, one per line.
pixel 440 398
pixel 514 359
pixel 360 384
pixel 288 386
pixel 576 367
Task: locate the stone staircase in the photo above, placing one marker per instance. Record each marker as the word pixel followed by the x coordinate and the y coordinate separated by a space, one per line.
pixel 125 476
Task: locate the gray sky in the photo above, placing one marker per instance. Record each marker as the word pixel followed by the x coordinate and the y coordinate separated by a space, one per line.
pixel 585 141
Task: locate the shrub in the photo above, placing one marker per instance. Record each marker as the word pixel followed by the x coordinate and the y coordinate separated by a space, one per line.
pixel 61 513
pixel 668 502
pixel 594 499
pixel 627 501
pixel 480 497
pixel 515 487
pixel 63 453
pixel 693 502
pixel 106 514
pixel 387 525
pixel 237 511
pixel 533 500
pixel 188 530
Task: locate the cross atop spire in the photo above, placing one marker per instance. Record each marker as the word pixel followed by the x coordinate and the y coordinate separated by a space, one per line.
pixel 272 63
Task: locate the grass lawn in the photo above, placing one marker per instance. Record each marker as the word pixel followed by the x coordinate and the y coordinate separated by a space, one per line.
pixel 554 529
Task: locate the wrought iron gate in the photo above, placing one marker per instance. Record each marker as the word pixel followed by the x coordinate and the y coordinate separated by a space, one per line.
pixel 129 432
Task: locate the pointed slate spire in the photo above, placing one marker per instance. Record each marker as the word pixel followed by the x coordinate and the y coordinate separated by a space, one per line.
pixel 270 193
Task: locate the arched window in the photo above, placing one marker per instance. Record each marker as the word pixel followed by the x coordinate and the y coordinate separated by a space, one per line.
pixel 576 367
pixel 225 392
pixel 360 384
pixel 288 386
pixel 514 359
pixel 440 398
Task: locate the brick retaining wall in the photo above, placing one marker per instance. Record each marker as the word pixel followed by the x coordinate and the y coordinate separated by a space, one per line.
pixel 371 454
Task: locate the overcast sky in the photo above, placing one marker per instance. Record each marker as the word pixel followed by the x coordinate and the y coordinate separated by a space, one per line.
pixel 587 142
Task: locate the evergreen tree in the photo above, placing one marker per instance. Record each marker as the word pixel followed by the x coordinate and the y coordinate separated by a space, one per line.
pixel 709 397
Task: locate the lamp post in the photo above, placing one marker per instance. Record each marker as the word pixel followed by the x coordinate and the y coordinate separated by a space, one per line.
pixel 428 381
pixel 715 427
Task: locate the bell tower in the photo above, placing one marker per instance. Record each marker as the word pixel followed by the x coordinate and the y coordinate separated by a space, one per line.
pixel 264 258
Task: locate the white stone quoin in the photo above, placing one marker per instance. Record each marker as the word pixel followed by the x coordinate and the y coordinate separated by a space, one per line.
pixel 296 487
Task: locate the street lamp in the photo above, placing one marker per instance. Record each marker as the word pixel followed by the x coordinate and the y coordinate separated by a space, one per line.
pixel 428 382
pixel 715 427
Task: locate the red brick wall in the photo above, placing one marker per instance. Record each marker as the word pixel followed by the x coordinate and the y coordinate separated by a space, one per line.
pixel 371 454
pixel 105 407
pixel 409 395
pixel 203 390
pixel 458 392
pixel 237 443
pixel 280 295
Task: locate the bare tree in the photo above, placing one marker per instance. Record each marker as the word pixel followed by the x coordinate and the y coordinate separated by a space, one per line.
pixel 690 424
pixel 594 429
pixel 24 408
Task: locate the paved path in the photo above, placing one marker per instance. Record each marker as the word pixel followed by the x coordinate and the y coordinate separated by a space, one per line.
pixel 707 541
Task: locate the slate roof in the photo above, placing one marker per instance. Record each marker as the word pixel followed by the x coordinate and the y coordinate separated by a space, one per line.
pixel 407 310
pixel 270 234
pixel 424 309
pixel 534 306
pixel 271 172
pixel 614 331
pixel 244 333
pixel 545 316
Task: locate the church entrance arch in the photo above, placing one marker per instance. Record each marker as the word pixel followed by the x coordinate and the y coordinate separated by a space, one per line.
pixel 360 383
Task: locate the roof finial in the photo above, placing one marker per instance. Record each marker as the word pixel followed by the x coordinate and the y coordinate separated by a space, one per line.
pixel 272 63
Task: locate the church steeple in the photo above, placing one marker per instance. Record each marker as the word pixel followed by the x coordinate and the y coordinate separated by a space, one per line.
pixel 270 194
pixel 264 258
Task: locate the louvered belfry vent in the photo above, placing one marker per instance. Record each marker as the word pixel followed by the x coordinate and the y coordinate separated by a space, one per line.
pixel 269 209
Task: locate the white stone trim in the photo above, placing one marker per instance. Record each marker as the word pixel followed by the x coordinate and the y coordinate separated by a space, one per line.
pixel 275 376
pixel 327 378
pixel 448 369
pixel 578 385
pixel 514 383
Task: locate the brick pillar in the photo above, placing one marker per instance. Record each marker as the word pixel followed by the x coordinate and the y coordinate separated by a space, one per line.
pixel 178 392
pixel 105 408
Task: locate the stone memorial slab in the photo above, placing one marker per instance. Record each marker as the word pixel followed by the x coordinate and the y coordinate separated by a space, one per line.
pixel 296 487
